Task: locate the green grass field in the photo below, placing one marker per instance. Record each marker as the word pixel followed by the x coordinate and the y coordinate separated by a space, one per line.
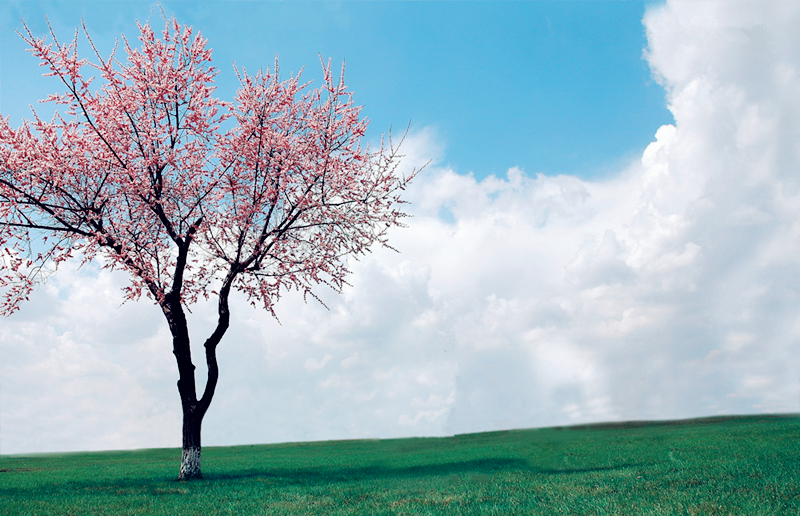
pixel 730 465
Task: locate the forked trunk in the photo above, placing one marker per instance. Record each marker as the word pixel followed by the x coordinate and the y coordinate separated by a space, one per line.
pixel 193 412
pixel 194 409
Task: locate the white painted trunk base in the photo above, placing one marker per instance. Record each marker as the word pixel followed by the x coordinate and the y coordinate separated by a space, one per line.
pixel 190 463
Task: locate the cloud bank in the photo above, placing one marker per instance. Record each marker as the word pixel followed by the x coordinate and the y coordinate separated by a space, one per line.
pixel 669 290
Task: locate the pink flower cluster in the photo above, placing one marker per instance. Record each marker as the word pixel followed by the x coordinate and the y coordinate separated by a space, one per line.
pixel 138 172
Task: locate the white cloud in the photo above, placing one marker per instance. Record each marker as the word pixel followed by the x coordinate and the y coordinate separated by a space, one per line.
pixel 312 364
pixel 669 290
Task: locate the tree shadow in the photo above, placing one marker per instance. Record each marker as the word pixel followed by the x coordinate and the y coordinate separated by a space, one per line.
pixel 467 469
pixel 477 470
pixel 330 474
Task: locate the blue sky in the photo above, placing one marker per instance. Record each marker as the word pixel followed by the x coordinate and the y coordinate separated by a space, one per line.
pixel 550 87
pixel 625 248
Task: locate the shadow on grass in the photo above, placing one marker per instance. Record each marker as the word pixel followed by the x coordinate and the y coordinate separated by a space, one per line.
pixel 302 477
pixel 330 474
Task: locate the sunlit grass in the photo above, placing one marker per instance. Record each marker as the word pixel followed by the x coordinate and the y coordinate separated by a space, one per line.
pixel 737 465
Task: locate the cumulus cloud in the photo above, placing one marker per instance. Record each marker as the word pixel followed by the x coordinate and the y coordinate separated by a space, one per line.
pixel 668 290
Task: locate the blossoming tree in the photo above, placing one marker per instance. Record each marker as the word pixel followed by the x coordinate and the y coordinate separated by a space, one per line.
pixel 139 174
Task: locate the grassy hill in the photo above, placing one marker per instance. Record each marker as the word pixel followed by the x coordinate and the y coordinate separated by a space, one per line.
pixel 727 465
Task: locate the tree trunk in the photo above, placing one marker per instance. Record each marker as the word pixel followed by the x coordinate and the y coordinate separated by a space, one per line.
pixel 194 409
pixel 193 412
pixel 190 458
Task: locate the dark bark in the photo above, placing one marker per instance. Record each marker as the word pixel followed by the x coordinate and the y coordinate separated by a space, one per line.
pixel 192 417
pixel 195 409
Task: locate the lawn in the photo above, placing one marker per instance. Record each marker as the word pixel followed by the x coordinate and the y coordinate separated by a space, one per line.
pixel 727 465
